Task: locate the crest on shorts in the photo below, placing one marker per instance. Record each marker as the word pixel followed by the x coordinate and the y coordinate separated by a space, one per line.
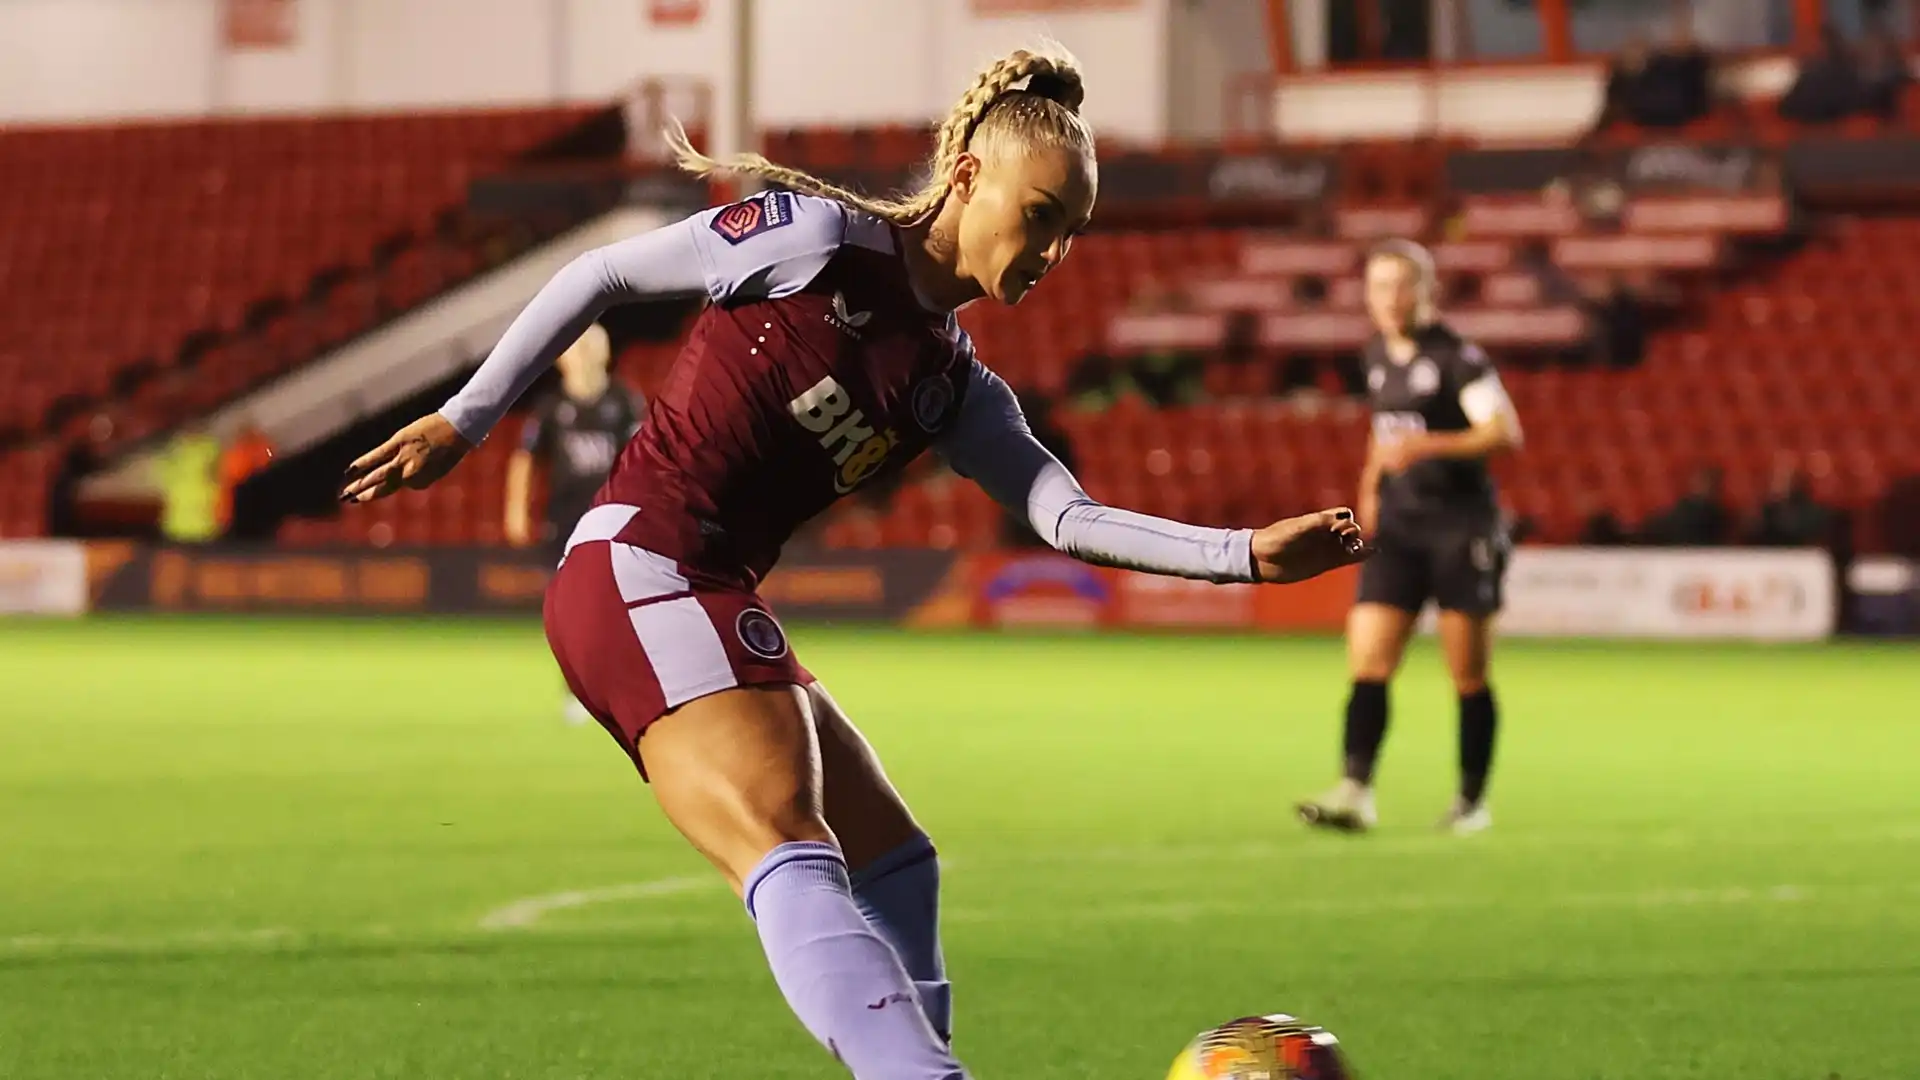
pixel 1481 552
pixel 931 400
pixel 751 217
pixel 761 634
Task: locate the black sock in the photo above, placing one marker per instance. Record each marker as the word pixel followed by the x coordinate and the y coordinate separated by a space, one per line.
pixel 1366 729
pixel 1478 719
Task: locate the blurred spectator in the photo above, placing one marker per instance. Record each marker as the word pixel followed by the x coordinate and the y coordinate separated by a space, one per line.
pixel 1167 377
pixel 1093 383
pixel 1699 519
pixel 1899 512
pixel 1883 72
pixel 1619 325
pixel 63 517
pixel 1599 527
pixel 1591 186
pixel 1790 516
pixel 1161 376
pixel 247 454
pixel 1164 376
pixel 188 469
pixel 1664 87
pixel 1240 341
pixel 1828 85
pixel 1841 80
pixel 80 458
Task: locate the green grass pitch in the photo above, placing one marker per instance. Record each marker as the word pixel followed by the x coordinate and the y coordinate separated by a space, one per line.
pixel 334 849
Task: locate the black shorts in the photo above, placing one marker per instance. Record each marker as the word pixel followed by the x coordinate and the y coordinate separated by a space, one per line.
pixel 1461 566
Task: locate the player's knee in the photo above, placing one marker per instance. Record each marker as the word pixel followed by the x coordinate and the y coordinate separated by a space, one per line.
pixel 1469 672
pixel 1374 660
pixel 1373 669
pixel 1469 683
pixel 736 851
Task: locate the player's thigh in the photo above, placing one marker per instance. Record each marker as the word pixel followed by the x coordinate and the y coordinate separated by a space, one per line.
pixel 863 808
pixel 739 773
pixel 1470 574
pixel 1466 640
pixel 735 759
pixel 1377 640
pixel 1394 585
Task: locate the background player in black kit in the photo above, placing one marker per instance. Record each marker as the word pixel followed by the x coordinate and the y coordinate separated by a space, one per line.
pixel 1439 412
pixel 578 432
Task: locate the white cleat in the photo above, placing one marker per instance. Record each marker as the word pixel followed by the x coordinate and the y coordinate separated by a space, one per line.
pixel 1464 820
pixel 1347 808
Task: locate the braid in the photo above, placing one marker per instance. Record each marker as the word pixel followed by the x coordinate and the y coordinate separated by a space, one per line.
pixel 1051 78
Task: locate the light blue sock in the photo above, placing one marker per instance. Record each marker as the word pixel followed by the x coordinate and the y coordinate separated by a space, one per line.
pixel 840 977
pixel 899 893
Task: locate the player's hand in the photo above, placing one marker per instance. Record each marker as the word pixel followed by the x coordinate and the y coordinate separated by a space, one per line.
pixel 416 455
pixel 1303 547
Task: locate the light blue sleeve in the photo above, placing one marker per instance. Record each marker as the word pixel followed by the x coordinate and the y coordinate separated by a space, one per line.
pixel 768 246
pixel 765 247
pixel 991 444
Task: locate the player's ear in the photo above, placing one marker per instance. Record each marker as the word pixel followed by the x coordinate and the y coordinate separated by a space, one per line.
pixel 966 176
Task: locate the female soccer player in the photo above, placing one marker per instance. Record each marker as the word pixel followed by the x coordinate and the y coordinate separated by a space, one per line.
pixel 829 355
pixel 1439 412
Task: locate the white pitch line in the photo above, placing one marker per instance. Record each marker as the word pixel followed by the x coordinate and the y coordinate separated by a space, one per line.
pixel 42 943
pixel 523 913
pixel 518 915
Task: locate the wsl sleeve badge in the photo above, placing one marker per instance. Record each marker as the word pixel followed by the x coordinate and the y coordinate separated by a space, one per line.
pixel 749 218
pixel 1276 1047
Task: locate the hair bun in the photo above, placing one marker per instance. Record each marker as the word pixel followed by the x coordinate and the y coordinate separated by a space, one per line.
pixel 1064 88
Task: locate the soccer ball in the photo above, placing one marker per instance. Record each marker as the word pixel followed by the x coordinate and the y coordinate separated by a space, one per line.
pixel 1276 1047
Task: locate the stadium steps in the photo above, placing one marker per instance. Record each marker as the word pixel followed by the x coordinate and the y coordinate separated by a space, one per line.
pixel 452 332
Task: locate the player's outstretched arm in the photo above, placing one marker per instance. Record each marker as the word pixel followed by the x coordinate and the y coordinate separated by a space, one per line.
pixel 991 444
pixel 767 246
pixel 658 264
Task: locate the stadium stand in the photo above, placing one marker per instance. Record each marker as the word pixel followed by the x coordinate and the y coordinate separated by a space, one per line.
pixel 157 270
pixel 300 234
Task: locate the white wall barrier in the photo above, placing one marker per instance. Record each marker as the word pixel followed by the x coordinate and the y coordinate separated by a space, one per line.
pixel 42 577
pixel 1641 593
pixel 1771 595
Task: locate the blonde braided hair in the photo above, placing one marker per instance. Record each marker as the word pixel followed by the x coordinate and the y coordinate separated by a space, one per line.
pixel 996 110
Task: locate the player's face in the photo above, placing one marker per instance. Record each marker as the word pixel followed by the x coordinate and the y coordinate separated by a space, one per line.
pixel 1022 212
pixel 583 366
pixel 1393 293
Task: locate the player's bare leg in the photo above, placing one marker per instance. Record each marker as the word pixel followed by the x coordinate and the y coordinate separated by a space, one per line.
pixel 1467 642
pixel 1376 641
pixel 739 774
pixel 895 869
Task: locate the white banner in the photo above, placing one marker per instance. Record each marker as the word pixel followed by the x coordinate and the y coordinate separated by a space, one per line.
pixel 42 577
pixel 1773 595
